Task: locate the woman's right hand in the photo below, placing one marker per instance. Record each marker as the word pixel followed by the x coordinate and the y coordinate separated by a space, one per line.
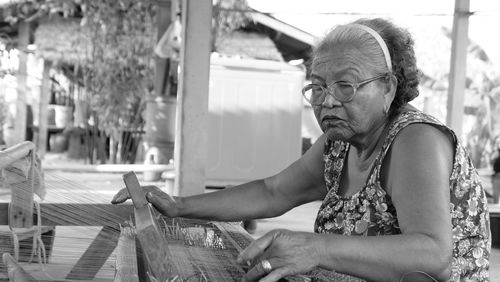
pixel 163 202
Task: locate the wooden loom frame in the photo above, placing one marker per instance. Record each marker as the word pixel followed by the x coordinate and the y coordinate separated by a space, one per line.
pixel 69 215
pixel 148 234
pixel 151 245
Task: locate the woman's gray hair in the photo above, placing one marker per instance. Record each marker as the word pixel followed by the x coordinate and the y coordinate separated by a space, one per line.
pixel 400 45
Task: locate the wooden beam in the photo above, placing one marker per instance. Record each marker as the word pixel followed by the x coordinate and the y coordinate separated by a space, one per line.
pixel 96 255
pixel 190 154
pixel 56 214
pixel 43 110
pixel 458 64
pixel 115 168
pixel 22 78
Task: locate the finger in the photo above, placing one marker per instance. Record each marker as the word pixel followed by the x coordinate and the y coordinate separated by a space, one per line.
pixel 161 202
pixel 153 193
pixel 151 188
pixel 256 248
pixel 277 274
pixel 255 273
pixel 121 196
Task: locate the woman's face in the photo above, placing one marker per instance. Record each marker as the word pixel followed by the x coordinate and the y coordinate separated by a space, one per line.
pixel 355 120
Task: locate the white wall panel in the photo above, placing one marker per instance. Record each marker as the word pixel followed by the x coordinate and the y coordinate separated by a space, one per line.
pixel 254 119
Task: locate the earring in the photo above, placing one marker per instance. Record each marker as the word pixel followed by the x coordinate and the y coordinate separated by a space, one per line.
pixel 386 110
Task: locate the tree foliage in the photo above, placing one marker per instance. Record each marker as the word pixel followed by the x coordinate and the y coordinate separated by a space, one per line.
pixel 229 15
pixel 120 72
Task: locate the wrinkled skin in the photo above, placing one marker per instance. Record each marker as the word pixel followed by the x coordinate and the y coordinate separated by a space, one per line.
pixel 352 121
pixel 288 252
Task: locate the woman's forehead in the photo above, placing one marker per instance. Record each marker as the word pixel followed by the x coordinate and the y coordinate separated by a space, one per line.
pixel 339 59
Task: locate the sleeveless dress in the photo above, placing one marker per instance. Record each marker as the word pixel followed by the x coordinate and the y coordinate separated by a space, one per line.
pixel 370 211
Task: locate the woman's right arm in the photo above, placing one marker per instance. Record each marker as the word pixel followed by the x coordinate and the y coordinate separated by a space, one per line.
pixel 299 183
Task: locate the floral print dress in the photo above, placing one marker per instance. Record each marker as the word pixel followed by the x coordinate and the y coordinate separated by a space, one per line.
pixel 370 211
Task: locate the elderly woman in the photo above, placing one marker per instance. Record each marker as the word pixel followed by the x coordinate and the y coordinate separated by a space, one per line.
pixel 401 199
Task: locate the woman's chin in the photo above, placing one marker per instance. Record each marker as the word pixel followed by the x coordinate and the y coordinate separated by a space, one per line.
pixel 335 134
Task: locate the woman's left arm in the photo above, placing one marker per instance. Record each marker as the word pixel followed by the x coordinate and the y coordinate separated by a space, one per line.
pixel 416 175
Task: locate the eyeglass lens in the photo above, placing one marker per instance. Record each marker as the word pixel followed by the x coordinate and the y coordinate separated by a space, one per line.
pixel 316 94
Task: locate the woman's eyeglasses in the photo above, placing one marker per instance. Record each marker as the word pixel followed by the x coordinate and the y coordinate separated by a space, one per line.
pixel 342 91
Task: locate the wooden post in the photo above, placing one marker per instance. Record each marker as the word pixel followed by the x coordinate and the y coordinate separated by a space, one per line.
pixel 458 64
pixel 43 111
pixel 22 75
pixel 192 100
pixel 21 204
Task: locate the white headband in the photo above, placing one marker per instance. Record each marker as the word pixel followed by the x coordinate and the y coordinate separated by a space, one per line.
pixel 380 41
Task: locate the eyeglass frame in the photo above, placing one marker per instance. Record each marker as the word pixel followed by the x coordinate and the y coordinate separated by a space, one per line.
pixel 355 86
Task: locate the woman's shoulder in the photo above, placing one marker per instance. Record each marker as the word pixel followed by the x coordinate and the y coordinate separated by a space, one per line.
pixel 409 114
pixel 413 125
pixel 423 136
pixel 420 140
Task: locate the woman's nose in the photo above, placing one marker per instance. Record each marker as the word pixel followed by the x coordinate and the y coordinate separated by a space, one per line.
pixel 330 101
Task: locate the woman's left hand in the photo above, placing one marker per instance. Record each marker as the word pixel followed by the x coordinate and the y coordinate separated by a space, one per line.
pixel 287 252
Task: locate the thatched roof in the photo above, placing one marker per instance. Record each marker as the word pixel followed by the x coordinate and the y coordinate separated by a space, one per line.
pixel 66 40
pixel 62 40
pixel 248 45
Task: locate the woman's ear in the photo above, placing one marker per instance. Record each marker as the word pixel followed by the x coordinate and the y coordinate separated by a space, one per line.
pixel 390 93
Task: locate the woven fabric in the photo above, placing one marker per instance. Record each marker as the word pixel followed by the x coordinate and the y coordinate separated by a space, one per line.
pixel 210 260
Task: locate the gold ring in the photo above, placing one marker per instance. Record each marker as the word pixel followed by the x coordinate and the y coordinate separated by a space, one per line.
pixel 266 265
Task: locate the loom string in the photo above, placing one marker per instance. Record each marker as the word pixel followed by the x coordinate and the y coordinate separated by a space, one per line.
pixel 37 235
pixel 38 245
pixel 102 216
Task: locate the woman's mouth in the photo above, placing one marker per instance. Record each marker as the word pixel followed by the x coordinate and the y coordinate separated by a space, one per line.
pixel 331 119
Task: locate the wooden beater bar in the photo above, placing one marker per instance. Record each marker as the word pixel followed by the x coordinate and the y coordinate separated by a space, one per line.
pixel 152 241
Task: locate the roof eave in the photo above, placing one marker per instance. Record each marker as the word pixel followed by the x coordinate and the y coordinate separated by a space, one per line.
pixel 284 28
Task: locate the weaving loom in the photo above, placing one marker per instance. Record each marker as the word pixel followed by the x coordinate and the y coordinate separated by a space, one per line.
pixel 74 234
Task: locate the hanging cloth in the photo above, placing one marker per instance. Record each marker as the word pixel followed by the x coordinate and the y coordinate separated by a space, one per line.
pixel 169 45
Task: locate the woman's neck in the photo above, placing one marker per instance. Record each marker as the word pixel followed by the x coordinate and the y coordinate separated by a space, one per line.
pixel 367 147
